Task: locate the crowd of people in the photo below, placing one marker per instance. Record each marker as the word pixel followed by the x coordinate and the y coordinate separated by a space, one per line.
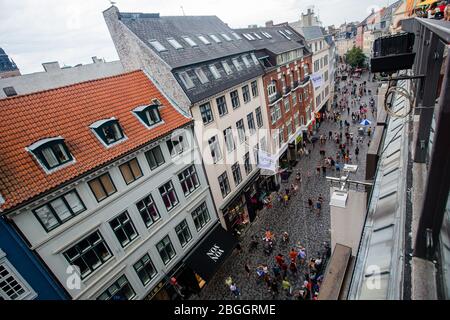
pixel 296 274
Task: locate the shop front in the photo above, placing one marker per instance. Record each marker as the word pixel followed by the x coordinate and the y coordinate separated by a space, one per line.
pixel 191 274
pixel 241 210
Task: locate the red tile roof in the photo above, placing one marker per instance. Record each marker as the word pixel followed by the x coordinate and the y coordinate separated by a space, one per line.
pixel 68 111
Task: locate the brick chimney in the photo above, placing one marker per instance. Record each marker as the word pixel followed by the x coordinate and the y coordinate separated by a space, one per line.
pixel 269 23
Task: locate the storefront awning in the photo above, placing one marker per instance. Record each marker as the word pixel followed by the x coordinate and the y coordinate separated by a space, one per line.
pixel 211 252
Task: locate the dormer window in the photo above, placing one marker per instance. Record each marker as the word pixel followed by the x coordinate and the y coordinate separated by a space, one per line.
pixel 108 131
pixel 51 152
pixel 148 114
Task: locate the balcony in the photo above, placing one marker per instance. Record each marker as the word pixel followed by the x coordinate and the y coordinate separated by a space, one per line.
pixel 304 81
pixel 274 97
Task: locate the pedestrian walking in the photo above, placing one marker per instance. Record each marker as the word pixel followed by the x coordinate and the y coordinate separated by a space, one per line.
pixel 286 285
pixel 293 268
pixel 318 206
pixel 293 254
pixel 310 204
pixel 356 152
pixel 235 290
pixel 247 269
pixel 274 288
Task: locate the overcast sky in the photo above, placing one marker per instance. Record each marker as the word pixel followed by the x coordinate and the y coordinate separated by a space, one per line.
pixel 72 31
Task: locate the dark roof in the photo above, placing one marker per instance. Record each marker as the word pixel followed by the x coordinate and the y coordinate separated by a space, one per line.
pixel 278 43
pixel 329 40
pixel 311 33
pixel 152 26
pixel 388 12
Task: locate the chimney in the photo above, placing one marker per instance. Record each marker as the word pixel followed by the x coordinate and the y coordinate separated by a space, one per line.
pixel 269 23
pixel 97 60
pixel 51 66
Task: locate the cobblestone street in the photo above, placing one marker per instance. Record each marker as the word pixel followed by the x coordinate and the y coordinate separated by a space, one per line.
pixel 304 227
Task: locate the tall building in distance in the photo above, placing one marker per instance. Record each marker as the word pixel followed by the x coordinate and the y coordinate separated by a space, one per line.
pixel 7 66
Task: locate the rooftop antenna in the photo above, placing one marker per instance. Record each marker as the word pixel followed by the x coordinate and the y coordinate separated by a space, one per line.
pixel 182 10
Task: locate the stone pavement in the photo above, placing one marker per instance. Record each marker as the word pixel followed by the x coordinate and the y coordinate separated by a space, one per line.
pixel 303 226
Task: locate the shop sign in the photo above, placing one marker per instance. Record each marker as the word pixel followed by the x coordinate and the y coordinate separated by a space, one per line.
pixel 299 139
pixel 215 252
pixel 317 80
pixel 266 161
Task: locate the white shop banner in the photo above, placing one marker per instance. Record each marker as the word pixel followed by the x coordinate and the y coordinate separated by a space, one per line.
pixel 266 161
pixel 317 80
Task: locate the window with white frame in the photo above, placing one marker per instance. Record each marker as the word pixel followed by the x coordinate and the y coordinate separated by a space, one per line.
pixel 201 75
pixel 121 289
pixel 215 148
pixel 254 86
pixel 155 157
pixel 183 233
pixel 237 64
pixel 255 60
pixel 215 72
pixel 246 61
pixel 204 40
pixel 190 41
pixel 278 111
pixel 236 36
pixel 222 105
pixel 189 180
pixel 51 152
pixel 124 229
pixel 89 254
pixel 148 210
pixel 246 94
pixel 236 170
pixel 186 79
pixel 259 119
pixel 273 114
pixel 234 95
pixel 247 164
pixel 59 210
pixel 206 113
pixel 294 99
pixel 215 38
pixel 201 216
pixel 157 45
pixel 271 89
pixel 287 106
pixel 241 130
pixel 226 37
pixel 166 249
pixel 289 127
pixel 174 43
pixel 145 269
pixel 168 195
pixel 229 139
pixel 12 285
pixel 227 67
pixel 224 184
pixel 251 123
pixel 177 145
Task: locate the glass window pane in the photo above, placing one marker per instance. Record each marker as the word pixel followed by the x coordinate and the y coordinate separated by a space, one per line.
pixel 50 157
pixel 97 189
pixel 46 217
pixel 74 202
pixel 107 184
pixel 61 209
pixel 126 173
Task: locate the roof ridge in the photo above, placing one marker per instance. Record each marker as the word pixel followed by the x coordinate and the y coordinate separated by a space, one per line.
pixel 70 85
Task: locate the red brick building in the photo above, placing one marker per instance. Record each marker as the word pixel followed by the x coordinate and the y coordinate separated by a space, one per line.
pixel 287 87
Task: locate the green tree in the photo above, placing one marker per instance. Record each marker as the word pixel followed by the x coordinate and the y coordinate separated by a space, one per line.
pixel 355 57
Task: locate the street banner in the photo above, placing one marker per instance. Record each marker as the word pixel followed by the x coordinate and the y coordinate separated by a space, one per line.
pixel 317 80
pixel 266 161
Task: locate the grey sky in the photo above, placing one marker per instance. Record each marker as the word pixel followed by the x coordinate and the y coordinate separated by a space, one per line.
pixel 72 31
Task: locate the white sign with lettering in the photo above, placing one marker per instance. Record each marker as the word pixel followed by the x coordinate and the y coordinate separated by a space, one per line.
pixel 215 252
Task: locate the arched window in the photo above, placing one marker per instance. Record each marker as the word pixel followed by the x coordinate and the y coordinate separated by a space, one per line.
pixel 51 152
pixel 108 131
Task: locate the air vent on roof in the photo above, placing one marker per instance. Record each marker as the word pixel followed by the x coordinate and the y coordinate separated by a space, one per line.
pixel 156 101
pixel 10 91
